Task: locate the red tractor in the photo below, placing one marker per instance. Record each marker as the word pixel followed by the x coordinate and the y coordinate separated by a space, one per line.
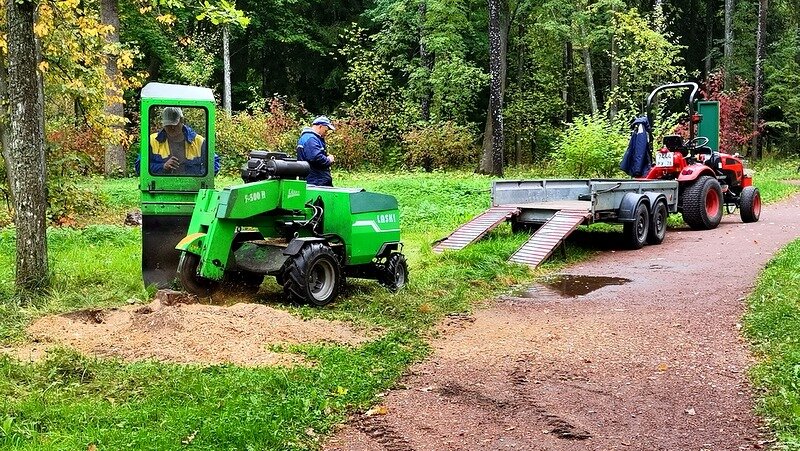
pixel 708 179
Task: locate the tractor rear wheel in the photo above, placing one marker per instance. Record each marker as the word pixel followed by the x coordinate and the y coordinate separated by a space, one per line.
pixel 658 224
pixel 313 275
pixel 395 272
pixel 190 280
pixel 636 231
pixel 750 204
pixel 702 204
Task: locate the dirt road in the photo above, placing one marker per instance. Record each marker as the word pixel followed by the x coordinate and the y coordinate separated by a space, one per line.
pixel 656 363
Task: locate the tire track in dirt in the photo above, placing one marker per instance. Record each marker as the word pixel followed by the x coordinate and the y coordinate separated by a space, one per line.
pixel 655 364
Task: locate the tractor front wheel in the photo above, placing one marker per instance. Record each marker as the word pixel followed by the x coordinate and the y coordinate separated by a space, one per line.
pixel 750 204
pixel 312 276
pixel 636 231
pixel 658 224
pixel 190 280
pixel 395 272
pixel 702 204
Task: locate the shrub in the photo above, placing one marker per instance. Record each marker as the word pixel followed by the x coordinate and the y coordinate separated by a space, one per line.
pixel 354 146
pixel 439 145
pixel 590 147
pixel 237 135
pixel 77 147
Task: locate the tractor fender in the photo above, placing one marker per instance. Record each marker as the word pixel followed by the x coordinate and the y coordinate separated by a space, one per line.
pixel 692 172
pixel 627 208
pixel 297 244
pixel 192 243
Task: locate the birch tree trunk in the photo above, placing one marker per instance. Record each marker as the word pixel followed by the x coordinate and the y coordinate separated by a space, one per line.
pixel 493 140
pixel 587 63
pixel 226 56
pixel 114 154
pixel 427 62
pixel 25 158
pixel 567 90
pixel 727 50
pixel 759 78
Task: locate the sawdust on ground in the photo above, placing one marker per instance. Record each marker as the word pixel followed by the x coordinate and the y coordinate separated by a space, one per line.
pixel 240 334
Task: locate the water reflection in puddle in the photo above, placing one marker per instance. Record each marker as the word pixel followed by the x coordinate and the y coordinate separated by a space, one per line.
pixel 572 285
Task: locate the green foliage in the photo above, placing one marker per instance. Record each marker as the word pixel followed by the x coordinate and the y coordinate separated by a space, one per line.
pixel 274 130
pixel 781 97
pixel 354 145
pixel 442 145
pixel 647 57
pixel 590 147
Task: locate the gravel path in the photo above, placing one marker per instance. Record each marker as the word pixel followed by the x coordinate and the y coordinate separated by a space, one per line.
pixel 655 363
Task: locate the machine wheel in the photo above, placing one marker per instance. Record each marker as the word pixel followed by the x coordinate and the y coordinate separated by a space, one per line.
pixel 190 281
pixel 702 204
pixel 750 204
pixel 636 231
pixel 395 272
pixel 658 224
pixel 313 275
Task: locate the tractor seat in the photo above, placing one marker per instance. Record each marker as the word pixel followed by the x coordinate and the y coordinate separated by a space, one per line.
pixel 675 144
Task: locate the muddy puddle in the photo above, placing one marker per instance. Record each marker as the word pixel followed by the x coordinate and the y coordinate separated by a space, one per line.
pixel 568 285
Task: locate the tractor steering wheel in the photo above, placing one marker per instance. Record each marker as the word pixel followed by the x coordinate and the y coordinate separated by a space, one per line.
pixel 697 141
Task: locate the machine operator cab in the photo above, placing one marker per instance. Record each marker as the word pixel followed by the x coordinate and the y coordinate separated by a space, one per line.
pixel 176 160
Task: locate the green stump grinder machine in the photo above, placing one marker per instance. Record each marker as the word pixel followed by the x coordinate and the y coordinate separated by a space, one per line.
pixel 310 238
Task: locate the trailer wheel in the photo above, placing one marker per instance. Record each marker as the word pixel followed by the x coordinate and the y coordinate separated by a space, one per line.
pixel 636 231
pixel 702 204
pixel 658 224
pixel 190 281
pixel 750 204
pixel 395 272
pixel 312 276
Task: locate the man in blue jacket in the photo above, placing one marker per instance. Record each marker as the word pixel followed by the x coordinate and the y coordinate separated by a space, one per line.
pixel 177 149
pixel 311 148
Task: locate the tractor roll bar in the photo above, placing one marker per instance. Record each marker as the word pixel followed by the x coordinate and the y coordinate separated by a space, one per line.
pixel 692 97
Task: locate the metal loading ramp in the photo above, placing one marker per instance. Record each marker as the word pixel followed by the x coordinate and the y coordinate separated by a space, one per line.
pixel 476 229
pixel 545 240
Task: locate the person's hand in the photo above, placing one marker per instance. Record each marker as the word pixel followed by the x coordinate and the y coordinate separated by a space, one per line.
pixel 172 163
pixel 331 158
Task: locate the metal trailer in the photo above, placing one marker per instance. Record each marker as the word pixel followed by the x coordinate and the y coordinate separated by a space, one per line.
pixel 553 209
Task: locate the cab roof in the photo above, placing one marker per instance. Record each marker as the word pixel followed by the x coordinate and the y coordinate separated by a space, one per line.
pixel 176 92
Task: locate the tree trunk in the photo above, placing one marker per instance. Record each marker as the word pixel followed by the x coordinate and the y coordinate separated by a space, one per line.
pixel 567 92
pixel 493 138
pixel 25 159
pixel 728 41
pixel 520 73
pixel 759 78
pixel 226 56
pixel 612 112
pixel 587 63
pixel 427 62
pixel 709 37
pixel 114 154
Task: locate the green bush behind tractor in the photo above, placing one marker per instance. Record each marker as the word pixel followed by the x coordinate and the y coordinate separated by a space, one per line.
pixel 309 238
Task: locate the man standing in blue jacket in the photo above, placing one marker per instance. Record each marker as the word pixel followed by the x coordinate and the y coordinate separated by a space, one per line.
pixel 311 148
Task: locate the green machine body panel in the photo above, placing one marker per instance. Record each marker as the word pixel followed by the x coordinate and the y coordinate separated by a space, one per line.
pixel 709 124
pixel 358 222
pixel 167 200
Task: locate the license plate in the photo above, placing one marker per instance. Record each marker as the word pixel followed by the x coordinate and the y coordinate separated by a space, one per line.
pixel 664 159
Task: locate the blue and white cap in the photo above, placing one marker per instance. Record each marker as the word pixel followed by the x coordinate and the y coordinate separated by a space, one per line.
pixel 323 120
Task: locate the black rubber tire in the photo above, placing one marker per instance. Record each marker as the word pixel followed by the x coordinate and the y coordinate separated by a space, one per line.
pixel 658 224
pixel 750 204
pixel 699 204
pixel 312 276
pixel 190 281
pixel 394 275
pixel 636 231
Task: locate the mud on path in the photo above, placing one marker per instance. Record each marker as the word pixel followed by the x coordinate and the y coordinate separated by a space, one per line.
pixel 657 363
pixel 185 333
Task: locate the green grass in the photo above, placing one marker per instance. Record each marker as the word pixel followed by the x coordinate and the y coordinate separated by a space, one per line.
pixel 772 324
pixel 69 402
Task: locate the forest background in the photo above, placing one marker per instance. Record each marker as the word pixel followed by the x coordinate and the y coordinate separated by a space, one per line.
pixel 411 84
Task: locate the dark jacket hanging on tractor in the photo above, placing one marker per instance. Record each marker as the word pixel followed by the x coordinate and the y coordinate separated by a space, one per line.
pixel 637 160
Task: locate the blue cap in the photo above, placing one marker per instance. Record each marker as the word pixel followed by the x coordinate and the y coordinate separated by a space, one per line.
pixel 323 120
